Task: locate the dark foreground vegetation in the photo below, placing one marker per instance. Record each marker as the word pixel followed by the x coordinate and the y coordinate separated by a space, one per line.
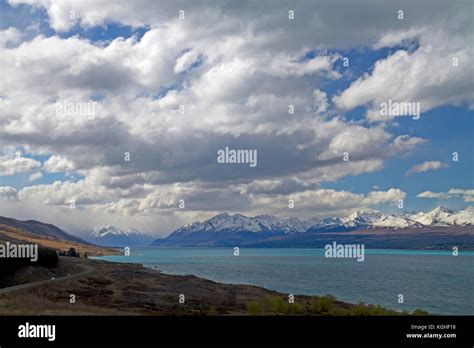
pixel 319 305
pixel 47 258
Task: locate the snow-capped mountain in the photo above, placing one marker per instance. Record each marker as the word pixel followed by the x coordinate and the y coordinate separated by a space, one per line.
pixel 112 236
pixel 439 217
pixel 290 225
pixel 396 221
pixel 240 223
pixel 362 218
pixel 442 216
pixel 229 229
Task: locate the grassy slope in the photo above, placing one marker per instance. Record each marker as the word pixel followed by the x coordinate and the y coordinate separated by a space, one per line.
pixel 13 234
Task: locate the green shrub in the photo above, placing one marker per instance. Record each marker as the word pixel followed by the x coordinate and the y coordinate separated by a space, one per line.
pixel 420 312
pixel 323 305
pixel 274 305
pixel 295 308
pixel 254 308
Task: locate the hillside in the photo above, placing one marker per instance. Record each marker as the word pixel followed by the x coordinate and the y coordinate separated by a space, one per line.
pixel 40 229
pixel 46 235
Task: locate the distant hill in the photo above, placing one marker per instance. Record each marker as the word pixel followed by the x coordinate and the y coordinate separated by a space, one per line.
pixel 438 228
pixel 45 235
pixel 40 229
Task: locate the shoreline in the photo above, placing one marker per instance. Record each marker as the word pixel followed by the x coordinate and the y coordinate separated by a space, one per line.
pixel 173 262
pixel 114 288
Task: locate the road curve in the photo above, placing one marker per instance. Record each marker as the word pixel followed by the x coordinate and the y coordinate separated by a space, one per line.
pixel 88 269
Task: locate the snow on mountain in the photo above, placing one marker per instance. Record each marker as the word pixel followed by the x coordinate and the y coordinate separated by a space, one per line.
pixel 326 224
pixel 106 230
pixel 442 216
pixel 293 224
pixel 362 218
pixel 396 221
pixel 462 218
pixel 226 229
pixel 290 225
pixel 112 236
pixel 241 223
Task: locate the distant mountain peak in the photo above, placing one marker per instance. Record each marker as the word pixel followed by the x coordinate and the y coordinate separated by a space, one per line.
pixel 109 235
pixel 363 217
pixel 442 209
pixel 221 215
pixel 109 229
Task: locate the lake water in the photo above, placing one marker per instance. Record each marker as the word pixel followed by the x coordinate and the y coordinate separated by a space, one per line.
pixel 435 281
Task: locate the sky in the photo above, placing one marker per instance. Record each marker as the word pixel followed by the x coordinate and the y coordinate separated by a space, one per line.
pixel 113 112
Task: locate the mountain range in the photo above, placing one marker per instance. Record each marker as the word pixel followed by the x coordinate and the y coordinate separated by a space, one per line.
pixel 440 228
pixel 264 230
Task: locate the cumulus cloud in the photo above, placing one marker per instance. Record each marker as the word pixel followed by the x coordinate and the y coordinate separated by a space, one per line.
pixel 152 129
pixel 35 176
pixel 18 164
pixel 320 101
pixel 172 97
pixel 405 143
pixel 186 61
pixel 58 164
pixel 8 192
pixel 426 166
pixel 437 73
pixel 10 36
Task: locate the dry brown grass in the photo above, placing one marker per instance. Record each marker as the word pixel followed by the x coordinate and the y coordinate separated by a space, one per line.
pixel 17 235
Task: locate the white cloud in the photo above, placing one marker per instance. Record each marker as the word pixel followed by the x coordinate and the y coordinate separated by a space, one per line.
pixel 405 143
pixel 35 176
pixel 58 164
pixel 283 66
pixel 425 166
pixel 10 166
pixel 8 192
pixel 466 195
pixel 429 75
pixel 185 61
pixel 10 36
pixel 320 101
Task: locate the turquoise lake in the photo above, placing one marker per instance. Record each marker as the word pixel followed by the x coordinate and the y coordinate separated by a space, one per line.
pixel 435 281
